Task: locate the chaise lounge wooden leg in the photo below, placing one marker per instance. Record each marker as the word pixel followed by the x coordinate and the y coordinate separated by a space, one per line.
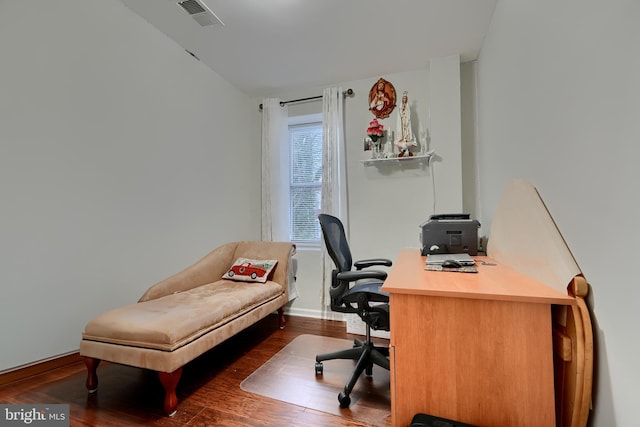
pixel 92 378
pixel 169 382
pixel 281 320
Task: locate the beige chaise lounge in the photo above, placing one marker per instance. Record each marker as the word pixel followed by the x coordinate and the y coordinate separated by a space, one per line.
pixel 183 316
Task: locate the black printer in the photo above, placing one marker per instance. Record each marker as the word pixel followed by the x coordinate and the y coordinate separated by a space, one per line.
pixel 449 234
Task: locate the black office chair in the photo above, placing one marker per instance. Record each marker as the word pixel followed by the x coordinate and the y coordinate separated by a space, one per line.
pixel 355 299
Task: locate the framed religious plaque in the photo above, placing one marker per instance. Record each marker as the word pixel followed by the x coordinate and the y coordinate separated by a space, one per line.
pixel 382 99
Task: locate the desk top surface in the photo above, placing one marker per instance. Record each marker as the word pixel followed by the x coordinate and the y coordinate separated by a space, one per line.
pixel 495 282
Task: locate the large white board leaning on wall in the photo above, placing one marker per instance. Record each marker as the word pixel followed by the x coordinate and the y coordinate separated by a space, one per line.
pixel 524 236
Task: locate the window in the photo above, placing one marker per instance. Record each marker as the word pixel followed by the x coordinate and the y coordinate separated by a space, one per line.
pixel 305 148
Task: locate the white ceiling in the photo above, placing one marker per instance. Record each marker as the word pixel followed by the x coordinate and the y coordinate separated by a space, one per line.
pixel 267 47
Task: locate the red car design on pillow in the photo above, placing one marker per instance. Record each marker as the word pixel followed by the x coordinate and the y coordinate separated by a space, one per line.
pixel 247 269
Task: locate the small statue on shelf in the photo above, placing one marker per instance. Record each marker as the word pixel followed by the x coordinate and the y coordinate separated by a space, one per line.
pixel 406 139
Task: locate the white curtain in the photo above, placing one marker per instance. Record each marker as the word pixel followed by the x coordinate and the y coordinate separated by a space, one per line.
pixel 275 170
pixel 334 177
pixel 275 178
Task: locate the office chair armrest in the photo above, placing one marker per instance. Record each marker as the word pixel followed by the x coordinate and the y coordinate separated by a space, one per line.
pixel 352 276
pixel 366 263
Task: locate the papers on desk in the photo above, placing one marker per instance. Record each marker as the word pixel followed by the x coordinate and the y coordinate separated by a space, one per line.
pixel 463 269
pixel 462 258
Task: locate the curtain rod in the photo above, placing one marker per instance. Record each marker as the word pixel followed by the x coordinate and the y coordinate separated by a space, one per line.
pixel 348 92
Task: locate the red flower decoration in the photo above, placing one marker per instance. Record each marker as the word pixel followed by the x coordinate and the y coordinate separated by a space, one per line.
pixel 375 129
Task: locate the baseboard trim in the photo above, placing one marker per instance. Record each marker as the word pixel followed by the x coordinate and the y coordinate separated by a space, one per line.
pixel 39 367
pixel 315 314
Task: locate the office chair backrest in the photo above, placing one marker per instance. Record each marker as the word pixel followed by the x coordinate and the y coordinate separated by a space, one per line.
pixel 336 242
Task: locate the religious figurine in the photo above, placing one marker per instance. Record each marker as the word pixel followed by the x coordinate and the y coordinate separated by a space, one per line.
pixel 405 135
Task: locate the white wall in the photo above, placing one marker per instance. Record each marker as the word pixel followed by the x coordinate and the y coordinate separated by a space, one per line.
pixel 559 104
pixel 387 204
pixel 122 160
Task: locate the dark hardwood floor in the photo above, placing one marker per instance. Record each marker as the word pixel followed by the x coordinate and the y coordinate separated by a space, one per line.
pixel 209 392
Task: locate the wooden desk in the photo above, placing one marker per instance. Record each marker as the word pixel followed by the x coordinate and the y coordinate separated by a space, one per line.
pixel 475 348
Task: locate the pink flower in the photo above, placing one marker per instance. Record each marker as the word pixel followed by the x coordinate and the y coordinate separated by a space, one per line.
pixel 375 129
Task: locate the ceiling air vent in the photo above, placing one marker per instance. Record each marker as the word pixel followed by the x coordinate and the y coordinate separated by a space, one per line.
pixel 200 12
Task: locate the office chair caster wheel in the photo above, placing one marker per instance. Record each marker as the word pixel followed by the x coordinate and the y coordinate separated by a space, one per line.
pixel 319 368
pixel 344 400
